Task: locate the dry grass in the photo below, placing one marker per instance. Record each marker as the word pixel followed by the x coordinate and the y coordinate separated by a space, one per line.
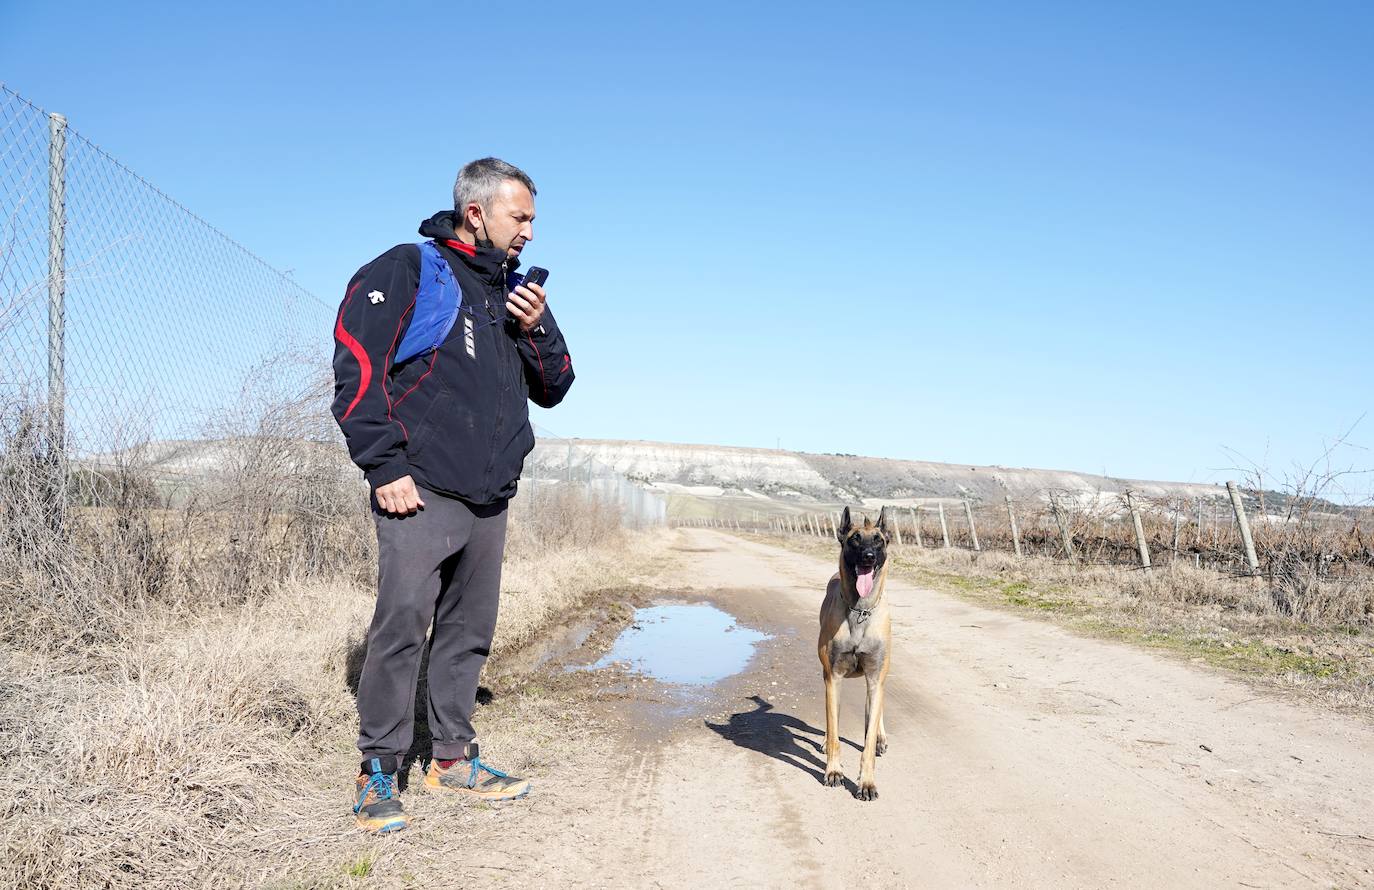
pixel 1228 622
pixel 176 705
pixel 217 749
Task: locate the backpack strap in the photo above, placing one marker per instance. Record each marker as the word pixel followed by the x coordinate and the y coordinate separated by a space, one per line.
pixel 437 301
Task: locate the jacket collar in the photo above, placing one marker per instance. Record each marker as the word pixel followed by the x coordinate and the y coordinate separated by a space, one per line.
pixel 487 262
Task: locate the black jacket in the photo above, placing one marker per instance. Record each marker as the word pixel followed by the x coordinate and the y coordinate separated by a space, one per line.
pixel 456 419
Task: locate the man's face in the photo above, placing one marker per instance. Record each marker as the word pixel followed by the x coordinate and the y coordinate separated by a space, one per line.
pixel 509 221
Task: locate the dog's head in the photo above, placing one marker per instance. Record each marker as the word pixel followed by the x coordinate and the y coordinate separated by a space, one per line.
pixel 863 550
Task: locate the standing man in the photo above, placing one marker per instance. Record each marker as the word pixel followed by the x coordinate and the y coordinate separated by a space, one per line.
pixel 441 433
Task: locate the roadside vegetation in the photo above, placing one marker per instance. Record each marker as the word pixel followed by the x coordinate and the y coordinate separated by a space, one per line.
pixel 179 658
pixel 1316 638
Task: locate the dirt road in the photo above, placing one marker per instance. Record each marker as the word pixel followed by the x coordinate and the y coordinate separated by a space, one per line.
pixel 1020 756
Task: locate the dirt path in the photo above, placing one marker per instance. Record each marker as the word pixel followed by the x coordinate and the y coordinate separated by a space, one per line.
pixel 1021 756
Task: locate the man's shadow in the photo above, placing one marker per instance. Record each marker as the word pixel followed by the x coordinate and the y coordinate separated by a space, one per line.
pixel 423 740
pixel 780 736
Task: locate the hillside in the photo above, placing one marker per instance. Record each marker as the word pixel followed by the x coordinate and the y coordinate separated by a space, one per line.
pixel 768 475
pixel 767 480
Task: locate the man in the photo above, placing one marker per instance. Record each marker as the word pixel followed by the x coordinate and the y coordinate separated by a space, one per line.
pixel 442 437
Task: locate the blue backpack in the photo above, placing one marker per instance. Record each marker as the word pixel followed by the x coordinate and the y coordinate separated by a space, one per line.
pixel 438 300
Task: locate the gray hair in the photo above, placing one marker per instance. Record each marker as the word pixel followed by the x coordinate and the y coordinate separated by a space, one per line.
pixel 478 181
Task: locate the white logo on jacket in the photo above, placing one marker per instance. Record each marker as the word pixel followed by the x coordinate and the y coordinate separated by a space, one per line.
pixel 376 297
pixel 468 338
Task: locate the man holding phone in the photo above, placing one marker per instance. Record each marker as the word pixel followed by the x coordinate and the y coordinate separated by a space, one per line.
pixel 438 347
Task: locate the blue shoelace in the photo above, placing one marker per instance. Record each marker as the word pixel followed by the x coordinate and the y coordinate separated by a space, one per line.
pixel 379 781
pixel 478 765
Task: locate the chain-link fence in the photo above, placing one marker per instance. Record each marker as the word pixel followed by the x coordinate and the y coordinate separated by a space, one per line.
pixel 132 318
pixel 133 331
pixel 558 464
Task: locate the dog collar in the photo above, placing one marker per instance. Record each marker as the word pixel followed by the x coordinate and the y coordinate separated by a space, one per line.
pixel 864 614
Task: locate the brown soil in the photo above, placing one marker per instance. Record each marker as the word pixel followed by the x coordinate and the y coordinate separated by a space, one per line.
pixel 1021 755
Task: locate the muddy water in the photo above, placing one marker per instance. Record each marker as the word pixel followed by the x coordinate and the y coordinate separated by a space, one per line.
pixel 691 645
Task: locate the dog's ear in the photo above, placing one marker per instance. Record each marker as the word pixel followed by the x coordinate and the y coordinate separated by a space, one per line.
pixel 846 525
pixel 885 524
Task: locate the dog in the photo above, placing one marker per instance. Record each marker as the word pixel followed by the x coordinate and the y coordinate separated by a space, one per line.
pixel 856 641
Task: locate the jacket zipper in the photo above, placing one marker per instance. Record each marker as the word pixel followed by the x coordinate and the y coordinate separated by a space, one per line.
pixel 499 290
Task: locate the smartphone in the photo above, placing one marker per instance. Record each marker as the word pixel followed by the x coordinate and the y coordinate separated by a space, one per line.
pixel 535 275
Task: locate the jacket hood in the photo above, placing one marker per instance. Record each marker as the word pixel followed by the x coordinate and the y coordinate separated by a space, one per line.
pixel 441 226
pixel 487 259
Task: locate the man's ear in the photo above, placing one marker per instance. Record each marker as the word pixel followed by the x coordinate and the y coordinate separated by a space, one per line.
pixel 846 525
pixel 472 217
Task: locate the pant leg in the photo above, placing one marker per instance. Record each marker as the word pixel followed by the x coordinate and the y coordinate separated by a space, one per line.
pixel 464 623
pixel 411 552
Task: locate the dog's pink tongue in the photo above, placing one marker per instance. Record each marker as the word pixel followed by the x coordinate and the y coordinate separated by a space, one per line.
pixel 864 582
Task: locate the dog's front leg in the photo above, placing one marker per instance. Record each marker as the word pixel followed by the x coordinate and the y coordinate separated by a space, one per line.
pixel 868 788
pixel 833 774
pixel 881 748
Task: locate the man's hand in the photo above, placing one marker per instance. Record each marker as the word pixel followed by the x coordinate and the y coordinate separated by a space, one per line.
pixel 526 304
pixel 400 497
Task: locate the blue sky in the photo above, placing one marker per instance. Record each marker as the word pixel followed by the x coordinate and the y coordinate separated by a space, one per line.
pixel 1078 236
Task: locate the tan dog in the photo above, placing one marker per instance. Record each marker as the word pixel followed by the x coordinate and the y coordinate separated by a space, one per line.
pixel 856 640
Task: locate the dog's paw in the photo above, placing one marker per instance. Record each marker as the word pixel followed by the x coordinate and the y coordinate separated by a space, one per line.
pixel 867 791
pixel 881 747
pixel 834 778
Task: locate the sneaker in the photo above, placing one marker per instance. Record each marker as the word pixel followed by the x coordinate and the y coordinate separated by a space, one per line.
pixel 375 805
pixel 475 779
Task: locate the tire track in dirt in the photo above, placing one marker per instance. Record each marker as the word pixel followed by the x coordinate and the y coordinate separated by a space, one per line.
pixel 1021 756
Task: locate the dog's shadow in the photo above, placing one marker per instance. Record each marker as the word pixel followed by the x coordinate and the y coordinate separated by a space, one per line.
pixel 422 740
pixel 783 737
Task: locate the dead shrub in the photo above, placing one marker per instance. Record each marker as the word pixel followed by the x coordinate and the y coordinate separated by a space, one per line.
pixel 56 594
pixel 559 516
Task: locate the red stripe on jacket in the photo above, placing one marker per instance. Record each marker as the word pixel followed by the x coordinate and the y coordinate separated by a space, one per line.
pixel 540 359
pixel 386 391
pixel 356 349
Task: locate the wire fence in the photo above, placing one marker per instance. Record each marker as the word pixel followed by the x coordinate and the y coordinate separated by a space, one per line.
pixel 133 331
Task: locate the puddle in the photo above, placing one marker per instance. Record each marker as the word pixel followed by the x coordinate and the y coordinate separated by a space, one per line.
pixel 691 645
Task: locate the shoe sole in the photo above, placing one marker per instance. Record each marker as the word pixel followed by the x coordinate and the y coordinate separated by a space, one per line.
pixel 385 827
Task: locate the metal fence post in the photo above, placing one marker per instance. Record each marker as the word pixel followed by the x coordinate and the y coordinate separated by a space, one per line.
pixel 1139 532
pixel 57 291
pixel 1250 558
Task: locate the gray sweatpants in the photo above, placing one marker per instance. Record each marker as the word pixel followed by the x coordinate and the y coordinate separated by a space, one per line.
pixel 440 566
